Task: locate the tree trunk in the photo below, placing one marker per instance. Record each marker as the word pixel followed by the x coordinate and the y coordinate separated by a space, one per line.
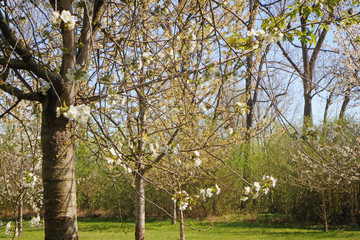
pixel 57 140
pixel 173 220
pixel 328 103
pixel 308 122
pixel 324 212
pixel 182 230
pixel 344 105
pixel 140 208
pixel 250 71
pixel 20 215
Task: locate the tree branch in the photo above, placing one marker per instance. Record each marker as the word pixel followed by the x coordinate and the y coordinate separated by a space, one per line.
pixel 317 49
pixel 11 108
pixel 24 53
pixel 289 59
pixel 91 24
pixel 14 91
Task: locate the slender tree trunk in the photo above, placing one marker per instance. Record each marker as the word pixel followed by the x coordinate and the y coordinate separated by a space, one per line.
pixel 182 229
pixel 20 215
pixel 344 105
pixel 173 220
pixel 324 212
pixel 328 103
pixel 308 122
pixel 57 140
pixel 140 208
pixel 250 71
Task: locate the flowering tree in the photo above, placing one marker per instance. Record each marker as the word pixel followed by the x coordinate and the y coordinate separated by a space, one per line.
pixel 346 66
pixel 164 87
pixel 39 65
pixel 166 64
pixel 20 165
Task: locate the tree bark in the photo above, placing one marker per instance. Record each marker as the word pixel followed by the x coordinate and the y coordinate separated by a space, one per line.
pixel 182 229
pixel 344 105
pixel 308 122
pixel 324 212
pixel 140 208
pixel 173 220
pixel 253 9
pixel 20 215
pixel 328 103
pixel 57 140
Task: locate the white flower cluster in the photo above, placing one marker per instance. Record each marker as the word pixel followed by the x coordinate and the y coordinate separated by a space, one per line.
pixel 183 206
pixel 268 37
pixel 65 16
pixel 29 180
pixel 209 192
pixel 183 198
pixel 242 107
pixel 79 113
pixel 129 59
pixel 268 182
pixel 119 162
pixel 127 169
pixel 77 74
pixel 152 149
pixel 45 88
pixel 197 161
pixel 35 221
pixel 10 231
pixel 264 38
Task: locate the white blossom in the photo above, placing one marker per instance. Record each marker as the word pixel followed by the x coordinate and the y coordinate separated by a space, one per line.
pixel 209 193
pixel 243 198
pixel 197 153
pixel 217 189
pixel 30 180
pixel 183 206
pixel 55 18
pixel 113 152
pixel 9 231
pixel 35 221
pixel 77 74
pixel 203 193
pixel 68 19
pixel 257 186
pixel 251 33
pixel 80 113
pixel 152 149
pixel 45 88
pixel 247 190
pixel 177 162
pixel 197 162
pixel 110 160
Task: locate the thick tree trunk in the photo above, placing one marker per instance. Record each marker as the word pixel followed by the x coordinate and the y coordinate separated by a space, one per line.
pixel 140 208
pixel 57 140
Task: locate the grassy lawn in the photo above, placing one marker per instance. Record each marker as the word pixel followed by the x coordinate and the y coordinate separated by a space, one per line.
pixel 99 229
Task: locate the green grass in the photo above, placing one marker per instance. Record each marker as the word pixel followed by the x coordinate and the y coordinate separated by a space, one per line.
pixel 99 229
